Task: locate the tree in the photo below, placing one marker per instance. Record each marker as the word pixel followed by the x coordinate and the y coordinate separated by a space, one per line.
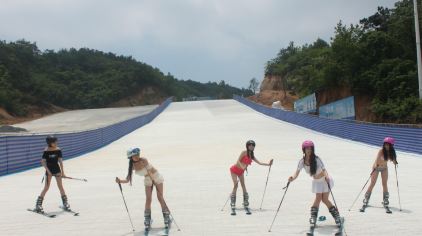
pixel 253 85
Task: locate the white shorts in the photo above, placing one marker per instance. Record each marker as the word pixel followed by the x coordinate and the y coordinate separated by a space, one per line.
pixel 158 179
pixel 321 186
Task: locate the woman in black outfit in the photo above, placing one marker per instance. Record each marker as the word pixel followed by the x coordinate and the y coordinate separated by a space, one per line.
pixel 53 164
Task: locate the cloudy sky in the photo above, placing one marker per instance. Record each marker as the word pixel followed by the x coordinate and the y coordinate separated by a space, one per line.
pixel 201 40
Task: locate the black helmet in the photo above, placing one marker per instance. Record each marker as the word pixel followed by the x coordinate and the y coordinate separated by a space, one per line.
pixel 250 142
pixel 51 139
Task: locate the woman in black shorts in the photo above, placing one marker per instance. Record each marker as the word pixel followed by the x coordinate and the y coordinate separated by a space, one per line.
pixel 53 164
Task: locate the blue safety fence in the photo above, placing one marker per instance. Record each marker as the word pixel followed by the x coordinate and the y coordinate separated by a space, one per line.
pixel 408 139
pixel 18 153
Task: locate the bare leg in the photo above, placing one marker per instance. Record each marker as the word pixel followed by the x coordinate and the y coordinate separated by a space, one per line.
pixel 374 178
pixel 46 186
pixel 60 185
pixel 235 183
pixel 160 196
pixel 317 201
pixel 242 182
pixel 384 178
pixel 40 199
pixel 147 211
pixel 148 195
pixel 326 201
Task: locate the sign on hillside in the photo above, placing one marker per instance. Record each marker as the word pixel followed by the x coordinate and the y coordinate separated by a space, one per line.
pixel 306 104
pixel 341 109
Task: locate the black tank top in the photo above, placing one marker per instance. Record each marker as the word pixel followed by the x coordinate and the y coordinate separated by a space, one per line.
pixel 52 157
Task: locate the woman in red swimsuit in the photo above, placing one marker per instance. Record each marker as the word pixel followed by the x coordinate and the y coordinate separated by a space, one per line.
pixel 237 170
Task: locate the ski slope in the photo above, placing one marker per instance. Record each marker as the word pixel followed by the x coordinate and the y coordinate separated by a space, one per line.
pixel 84 119
pixel 193 144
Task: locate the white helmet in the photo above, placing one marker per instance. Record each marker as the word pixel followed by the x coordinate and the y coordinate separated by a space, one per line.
pixel 132 152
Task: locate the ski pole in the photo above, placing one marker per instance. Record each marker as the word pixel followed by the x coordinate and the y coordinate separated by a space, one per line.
pixel 165 203
pixel 222 209
pixel 370 175
pixel 332 195
pixel 67 177
pixel 285 191
pixel 266 182
pixel 397 181
pixel 127 210
pixel 335 204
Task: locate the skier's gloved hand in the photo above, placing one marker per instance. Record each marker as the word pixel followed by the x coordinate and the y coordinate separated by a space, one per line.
pixel 271 162
pixel 327 179
pixel 291 179
pixel 117 180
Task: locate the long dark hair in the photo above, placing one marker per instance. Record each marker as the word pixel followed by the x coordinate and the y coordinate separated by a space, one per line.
pixel 313 163
pixel 250 154
pixel 129 171
pixel 389 154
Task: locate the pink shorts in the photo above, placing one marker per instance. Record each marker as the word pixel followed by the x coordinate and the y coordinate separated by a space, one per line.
pixel 236 170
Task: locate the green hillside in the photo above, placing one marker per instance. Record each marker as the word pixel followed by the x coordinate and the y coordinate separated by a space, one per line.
pixel 375 57
pixel 86 78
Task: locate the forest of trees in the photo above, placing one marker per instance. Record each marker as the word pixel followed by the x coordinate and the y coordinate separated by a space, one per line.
pixel 86 78
pixel 376 57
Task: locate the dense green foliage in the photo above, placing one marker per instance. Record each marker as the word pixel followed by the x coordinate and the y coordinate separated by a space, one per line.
pixel 376 57
pixel 86 78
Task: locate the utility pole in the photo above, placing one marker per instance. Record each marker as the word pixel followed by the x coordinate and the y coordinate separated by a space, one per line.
pixel 418 47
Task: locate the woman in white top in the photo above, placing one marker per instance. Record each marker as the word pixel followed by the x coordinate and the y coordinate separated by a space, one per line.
pixel 314 166
pixel 142 167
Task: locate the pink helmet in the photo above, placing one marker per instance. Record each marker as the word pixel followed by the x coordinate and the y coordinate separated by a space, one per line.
pixel 307 143
pixel 389 140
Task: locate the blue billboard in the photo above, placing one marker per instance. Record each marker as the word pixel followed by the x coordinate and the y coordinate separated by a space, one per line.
pixel 341 109
pixel 306 104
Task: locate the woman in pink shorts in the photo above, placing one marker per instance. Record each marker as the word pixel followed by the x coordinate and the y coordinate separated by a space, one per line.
pixel 246 157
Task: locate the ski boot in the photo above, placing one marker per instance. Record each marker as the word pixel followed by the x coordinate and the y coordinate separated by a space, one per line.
pixel 314 215
pixel 246 203
pixel 66 205
pixel 233 204
pixel 336 215
pixel 38 204
pixel 147 221
pixel 365 201
pixel 312 221
pixel 167 220
pixel 339 220
pixel 385 202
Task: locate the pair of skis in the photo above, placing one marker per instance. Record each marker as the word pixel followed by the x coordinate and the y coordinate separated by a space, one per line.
pixel 50 215
pixel 247 210
pixel 387 209
pixel 339 232
pixel 163 232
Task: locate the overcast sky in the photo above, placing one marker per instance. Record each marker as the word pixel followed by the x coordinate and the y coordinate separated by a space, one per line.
pixel 201 40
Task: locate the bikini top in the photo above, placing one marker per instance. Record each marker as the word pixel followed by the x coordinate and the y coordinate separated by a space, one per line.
pixel 246 160
pixel 143 171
